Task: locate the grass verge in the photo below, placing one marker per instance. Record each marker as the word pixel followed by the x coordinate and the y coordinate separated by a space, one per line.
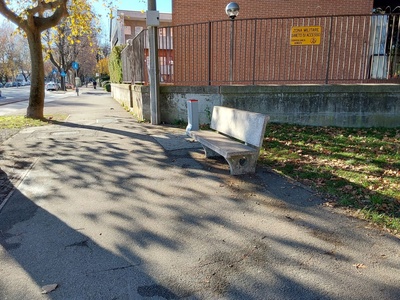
pixel 19 122
pixel 354 168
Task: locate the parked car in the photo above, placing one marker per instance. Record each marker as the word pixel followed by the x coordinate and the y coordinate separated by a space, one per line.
pixel 8 84
pixel 1 85
pixel 51 86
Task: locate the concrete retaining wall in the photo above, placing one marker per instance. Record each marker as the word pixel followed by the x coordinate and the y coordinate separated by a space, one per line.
pixel 122 94
pixel 318 105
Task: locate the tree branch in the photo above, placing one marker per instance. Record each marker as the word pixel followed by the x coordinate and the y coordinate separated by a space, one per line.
pixel 61 11
pixel 9 14
pixel 43 6
pixel 34 15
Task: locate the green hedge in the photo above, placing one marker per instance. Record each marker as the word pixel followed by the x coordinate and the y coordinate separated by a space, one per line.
pixel 115 64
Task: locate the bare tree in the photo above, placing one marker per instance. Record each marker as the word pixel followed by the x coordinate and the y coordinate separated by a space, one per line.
pixel 34 17
pixel 87 58
pixel 8 51
pixel 22 59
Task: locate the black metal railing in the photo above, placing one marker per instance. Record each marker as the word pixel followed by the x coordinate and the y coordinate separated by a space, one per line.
pixel 327 49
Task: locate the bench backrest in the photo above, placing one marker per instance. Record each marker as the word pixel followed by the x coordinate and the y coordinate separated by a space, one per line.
pixel 246 126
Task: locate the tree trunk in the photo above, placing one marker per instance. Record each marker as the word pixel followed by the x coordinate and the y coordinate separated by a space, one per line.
pixel 36 99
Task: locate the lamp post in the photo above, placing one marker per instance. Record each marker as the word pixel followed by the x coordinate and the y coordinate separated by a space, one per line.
pixel 153 21
pixel 232 10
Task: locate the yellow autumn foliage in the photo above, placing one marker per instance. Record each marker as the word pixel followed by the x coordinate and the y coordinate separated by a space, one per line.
pixel 102 66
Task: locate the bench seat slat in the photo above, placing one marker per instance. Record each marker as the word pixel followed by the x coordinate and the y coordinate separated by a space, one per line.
pixel 222 144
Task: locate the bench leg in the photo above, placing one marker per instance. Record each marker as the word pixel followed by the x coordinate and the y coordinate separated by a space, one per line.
pixel 209 152
pixel 238 165
pixel 242 164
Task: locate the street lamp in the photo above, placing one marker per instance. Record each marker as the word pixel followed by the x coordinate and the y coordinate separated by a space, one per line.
pixel 232 10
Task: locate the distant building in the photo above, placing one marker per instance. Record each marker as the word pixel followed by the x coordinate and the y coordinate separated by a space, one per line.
pixel 127 24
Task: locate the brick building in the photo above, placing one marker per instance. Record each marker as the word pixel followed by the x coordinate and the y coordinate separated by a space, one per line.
pixel 194 11
pixel 354 43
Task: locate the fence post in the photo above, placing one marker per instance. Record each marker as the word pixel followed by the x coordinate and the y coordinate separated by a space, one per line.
pixel 397 44
pixel 329 52
pixel 254 51
pixel 209 52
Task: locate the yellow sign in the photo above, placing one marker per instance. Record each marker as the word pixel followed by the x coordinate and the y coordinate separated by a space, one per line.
pixel 305 35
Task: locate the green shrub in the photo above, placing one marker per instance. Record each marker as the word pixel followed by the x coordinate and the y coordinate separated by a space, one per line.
pixel 115 64
pixel 107 86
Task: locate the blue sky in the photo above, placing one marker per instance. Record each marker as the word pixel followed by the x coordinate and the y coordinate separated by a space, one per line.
pixel 162 5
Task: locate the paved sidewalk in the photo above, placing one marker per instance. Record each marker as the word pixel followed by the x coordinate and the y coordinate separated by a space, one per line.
pixel 109 208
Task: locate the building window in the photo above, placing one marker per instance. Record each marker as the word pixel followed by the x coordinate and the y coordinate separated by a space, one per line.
pixel 127 30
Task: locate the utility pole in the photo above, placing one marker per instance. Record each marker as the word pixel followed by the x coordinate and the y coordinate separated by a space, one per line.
pixel 152 19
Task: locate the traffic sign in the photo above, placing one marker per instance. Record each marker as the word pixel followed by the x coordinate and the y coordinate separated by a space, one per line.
pixel 75 65
pixel 305 35
pixel 63 74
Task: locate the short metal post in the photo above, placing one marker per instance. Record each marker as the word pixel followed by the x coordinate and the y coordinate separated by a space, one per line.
pixel 77 85
pixel 193 115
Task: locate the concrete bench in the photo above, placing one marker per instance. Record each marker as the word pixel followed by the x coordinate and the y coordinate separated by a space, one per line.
pixel 238 137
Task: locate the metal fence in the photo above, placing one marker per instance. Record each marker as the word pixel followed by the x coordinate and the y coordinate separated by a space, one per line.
pixel 133 58
pixel 328 49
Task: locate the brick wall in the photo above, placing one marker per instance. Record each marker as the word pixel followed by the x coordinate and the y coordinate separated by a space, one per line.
pixel 262 52
pixel 195 11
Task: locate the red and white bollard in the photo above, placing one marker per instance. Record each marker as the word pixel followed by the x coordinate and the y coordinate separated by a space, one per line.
pixel 193 115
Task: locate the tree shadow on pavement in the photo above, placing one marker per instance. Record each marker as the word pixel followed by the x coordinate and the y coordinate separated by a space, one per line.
pixel 109 214
pixel 37 249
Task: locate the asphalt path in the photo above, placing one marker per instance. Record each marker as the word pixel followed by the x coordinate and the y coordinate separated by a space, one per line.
pixel 109 208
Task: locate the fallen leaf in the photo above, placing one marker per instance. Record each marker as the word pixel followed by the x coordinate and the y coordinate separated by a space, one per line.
pixel 359 266
pixel 49 288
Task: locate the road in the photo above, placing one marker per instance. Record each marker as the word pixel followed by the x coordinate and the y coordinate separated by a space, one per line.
pixel 14 100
